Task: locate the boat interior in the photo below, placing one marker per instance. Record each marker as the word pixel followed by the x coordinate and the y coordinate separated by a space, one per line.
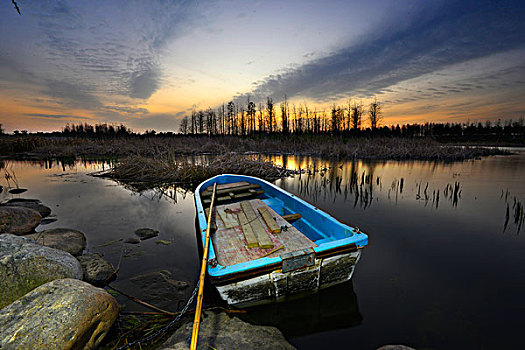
pixel 249 224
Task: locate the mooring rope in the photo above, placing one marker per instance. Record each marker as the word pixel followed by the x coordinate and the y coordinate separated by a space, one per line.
pixel 167 327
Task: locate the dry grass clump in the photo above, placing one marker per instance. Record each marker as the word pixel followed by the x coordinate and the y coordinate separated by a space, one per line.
pixel 171 170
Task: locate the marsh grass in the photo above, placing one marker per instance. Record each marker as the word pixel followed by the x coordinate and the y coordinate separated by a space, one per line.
pixel 161 170
pixel 340 147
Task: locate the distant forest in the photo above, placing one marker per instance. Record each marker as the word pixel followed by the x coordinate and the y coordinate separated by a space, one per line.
pixel 352 120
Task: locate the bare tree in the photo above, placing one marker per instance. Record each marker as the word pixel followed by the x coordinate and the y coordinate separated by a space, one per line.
pixel 221 120
pixel 261 119
pixel 270 111
pixel 338 115
pixel 183 129
pixel 200 122
pixel 193 127
pixel 230 114
pixel 243 122
pixel 375 113
pixel 250 111
pixel 211 122
pixel 284 117
pixel 357 112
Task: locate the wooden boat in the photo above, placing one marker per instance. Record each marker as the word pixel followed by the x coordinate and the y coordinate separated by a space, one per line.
pixel 268 244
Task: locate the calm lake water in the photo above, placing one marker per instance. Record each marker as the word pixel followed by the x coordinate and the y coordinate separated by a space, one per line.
pixel 444 268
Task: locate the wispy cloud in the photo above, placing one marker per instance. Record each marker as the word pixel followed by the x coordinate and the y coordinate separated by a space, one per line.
pixel 75 95
pixel 114 49
pixel 432 40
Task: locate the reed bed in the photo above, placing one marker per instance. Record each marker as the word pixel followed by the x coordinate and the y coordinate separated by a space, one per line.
pixel 315 145
pixel 159 170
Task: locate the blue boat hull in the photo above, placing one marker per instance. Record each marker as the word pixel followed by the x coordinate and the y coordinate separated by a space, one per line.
pixel 263 280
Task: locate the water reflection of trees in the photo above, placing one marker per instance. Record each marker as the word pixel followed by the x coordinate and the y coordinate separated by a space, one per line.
pixel 331 180
pixel 357 182
pixel 517 211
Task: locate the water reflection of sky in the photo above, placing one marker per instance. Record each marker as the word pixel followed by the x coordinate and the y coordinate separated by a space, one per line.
pixel 441 276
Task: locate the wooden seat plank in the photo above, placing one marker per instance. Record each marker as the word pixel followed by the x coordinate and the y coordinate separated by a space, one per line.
pixel 292 217
pixel 228 185
pixel 257 227
pixel 242 188
pixel 268 219
pixel 237 196
pixel 227 216
pixel 249 235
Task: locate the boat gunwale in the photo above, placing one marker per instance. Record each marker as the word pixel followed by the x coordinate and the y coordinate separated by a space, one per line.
pixel 267 264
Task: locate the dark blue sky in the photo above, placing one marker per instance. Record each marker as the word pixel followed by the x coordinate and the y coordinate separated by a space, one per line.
pixel 147 64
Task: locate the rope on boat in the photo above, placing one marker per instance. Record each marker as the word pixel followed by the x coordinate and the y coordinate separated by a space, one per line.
pixel 200 296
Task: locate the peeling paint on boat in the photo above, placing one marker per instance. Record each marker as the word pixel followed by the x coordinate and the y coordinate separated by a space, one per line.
pixel 277 286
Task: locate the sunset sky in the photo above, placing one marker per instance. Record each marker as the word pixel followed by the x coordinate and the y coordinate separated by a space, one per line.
pixel 148 63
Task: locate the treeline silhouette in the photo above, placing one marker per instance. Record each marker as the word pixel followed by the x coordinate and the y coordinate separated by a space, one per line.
pixel 302 122
pixel 247 119
pixel 351 119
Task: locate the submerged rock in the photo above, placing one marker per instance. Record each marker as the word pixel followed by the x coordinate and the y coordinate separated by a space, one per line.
pixel 17 190
pixel 47 221
pixel 23 200
pixel 160 289
pixel 25 265
pixel 18 220
pixel 66 239
pixel 395 347
pixel 34 204
pixel 62 314
pixel 96 269
pixel 132 240
pixel 220 331
pixel 145 233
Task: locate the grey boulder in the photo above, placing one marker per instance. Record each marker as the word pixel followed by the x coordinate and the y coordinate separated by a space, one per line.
pixel 34 204
pixel 96 269
pixel 62 314
pixel 66 239
pixel 18 220
pixel 218 330
pixel 146 233
pixel 25 265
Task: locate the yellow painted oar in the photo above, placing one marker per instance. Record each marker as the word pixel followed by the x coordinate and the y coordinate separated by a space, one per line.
pixel 200 296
